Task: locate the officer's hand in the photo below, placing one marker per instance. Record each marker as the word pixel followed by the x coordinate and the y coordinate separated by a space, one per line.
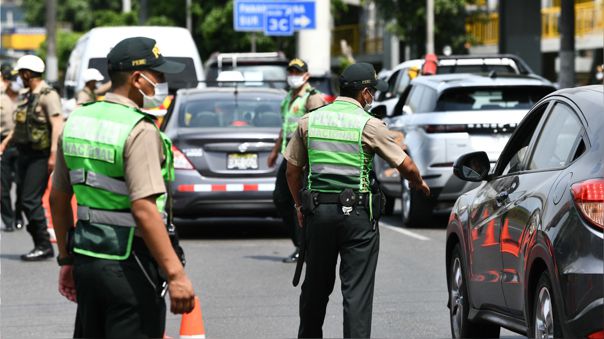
pixel 421 186
pixel 51 161
pixel 66 283
pixel 272 159
pixel 182 295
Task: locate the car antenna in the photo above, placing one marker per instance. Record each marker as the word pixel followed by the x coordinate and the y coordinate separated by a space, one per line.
pixel 492 74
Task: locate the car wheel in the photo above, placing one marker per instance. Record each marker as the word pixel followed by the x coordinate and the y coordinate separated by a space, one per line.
pixel 416 209
pixel 545 322
pixel 459 307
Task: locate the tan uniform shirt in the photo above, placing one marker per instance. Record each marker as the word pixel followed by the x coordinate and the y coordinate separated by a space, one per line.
pixel 376 138
pixel 143 156
pixel 314 101
pixel 7 107
pixel 49 103
pixel 85 96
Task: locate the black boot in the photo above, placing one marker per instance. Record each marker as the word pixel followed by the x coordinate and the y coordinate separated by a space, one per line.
pixel 18 223
pixel 38 254
pixel 8 228
pixel 293 257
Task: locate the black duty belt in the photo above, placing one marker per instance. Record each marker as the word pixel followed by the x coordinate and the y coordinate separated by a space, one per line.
pixel 334 198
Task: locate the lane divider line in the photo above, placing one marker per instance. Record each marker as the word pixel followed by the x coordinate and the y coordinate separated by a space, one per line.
pixel 406 232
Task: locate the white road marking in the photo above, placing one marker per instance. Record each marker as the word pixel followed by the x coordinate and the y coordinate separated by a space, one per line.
pixel 405 232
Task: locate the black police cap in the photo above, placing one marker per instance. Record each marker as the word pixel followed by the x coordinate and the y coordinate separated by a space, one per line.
pixel 140 53
pixel 298 65
pixel 8 72
pixel 361 75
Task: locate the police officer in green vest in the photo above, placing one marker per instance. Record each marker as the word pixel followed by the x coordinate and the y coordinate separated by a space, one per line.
pixel 339 208
pixel 300 99
pixel 119 260
pixel 38 122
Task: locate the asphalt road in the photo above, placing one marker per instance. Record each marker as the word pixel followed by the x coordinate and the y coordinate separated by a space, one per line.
pixel 245 290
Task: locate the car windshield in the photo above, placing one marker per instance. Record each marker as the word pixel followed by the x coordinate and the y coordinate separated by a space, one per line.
pixel 232 111
pixel 490 98
pixel 273 76
pixel 185 79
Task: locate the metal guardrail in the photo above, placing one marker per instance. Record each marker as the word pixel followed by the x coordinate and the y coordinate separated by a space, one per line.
pixel 589 18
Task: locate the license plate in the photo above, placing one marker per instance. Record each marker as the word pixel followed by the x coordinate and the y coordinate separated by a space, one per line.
pixel 242 161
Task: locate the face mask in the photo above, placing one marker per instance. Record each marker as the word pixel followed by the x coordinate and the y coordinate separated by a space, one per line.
pixel 295 81
pixel 160 94
pixel 16 85
pixel 368 104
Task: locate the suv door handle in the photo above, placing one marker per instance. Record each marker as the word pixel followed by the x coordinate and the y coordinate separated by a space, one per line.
pixel 502 197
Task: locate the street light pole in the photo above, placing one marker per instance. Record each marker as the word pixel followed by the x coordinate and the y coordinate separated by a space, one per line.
pixel 566 77
pixel 429 26
pixel 52 72
pixel 189 20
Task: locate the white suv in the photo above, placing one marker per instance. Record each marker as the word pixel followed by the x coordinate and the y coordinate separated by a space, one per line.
pixel 445 116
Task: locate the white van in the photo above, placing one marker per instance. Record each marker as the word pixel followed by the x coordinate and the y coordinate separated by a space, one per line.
pixel 175 43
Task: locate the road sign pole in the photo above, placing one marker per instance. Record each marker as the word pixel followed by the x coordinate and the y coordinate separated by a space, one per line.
pixel 253 40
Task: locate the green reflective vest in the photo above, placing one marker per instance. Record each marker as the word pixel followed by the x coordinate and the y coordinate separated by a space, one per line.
pixel 93 145
pixel 335 153
pixel 292 109
pixel 32 126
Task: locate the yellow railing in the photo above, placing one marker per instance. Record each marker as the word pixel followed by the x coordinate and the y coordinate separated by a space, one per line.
pixel 350 33
pixel 374 46
pixel 589 18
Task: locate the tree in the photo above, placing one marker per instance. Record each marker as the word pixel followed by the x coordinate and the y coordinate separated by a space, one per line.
pixel 409 23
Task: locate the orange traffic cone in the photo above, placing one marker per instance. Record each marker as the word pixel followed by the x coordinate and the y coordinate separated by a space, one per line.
pixel 191 325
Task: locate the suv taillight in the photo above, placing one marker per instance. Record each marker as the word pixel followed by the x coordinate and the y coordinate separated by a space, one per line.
pixel 180 160
pixel 445 128
pixel 589 197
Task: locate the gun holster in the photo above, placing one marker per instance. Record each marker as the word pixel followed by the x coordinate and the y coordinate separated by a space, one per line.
pixel 378 198
pixel 176 244
pixel 310 200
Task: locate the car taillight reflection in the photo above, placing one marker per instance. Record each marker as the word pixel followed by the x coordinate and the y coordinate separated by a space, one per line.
pixel 180 160
pixel 589 198
pixel 444 128
pixel 596 335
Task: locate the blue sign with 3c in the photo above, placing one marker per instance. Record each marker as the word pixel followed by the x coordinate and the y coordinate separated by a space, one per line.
pixel 251 15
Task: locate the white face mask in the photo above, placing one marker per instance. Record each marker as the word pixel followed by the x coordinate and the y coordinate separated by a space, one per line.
pixel 160 94
pixel 16 85
pixel 295 81
pixel 368 104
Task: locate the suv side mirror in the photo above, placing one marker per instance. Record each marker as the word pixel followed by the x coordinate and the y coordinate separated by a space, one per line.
pixel 473 166
pixel 379 112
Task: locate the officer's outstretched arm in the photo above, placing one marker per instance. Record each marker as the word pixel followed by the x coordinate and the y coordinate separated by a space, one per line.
pixel 410 172
pixel 153 230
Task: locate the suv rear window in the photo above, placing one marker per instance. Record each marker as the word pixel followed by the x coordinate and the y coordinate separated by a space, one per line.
pixel 185 79
pixel 490 98
pixel 230 111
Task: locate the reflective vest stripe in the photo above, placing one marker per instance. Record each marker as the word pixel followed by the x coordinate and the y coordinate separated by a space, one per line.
pixel 105 217
pixel 335 169
pixel 331 146
pixel 98 180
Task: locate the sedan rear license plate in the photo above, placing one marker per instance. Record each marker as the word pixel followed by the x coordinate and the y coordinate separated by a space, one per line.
pixel 242 161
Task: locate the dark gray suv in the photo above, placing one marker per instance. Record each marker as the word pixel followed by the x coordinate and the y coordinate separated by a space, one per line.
pixel 525 249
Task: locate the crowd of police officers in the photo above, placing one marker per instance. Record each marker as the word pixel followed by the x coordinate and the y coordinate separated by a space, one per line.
pixel 121 256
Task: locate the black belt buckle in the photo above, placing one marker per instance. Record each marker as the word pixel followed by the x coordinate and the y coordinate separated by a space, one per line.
pixel 347 199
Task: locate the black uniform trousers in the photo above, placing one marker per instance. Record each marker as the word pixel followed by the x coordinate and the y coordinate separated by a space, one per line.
pixel 116 299
pixel 284 202
pixel 8 175
pixel 32 172
pixel 330 233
